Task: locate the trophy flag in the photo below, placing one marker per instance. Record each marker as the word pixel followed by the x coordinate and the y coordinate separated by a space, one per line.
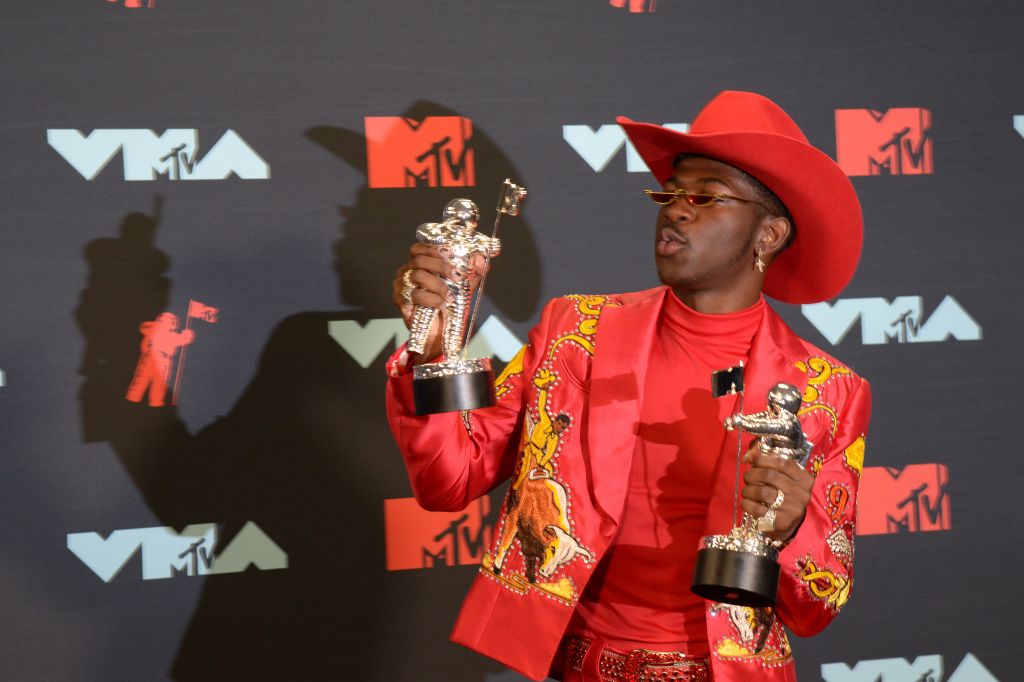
pixel 200 311
pixel 206 313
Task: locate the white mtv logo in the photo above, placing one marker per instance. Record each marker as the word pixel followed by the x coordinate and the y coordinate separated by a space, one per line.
pixel 366 343
pixel 166 553
pixel 598 147
pixel 923 669
pixel 147 155
pixel 900 321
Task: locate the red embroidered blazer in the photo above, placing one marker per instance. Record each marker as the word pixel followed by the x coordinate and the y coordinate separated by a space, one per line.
pixel 563 432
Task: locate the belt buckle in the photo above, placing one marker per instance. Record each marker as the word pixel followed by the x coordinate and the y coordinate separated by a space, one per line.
pixel 638 660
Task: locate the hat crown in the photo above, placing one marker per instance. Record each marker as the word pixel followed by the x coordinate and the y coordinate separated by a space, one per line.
pixel 732 111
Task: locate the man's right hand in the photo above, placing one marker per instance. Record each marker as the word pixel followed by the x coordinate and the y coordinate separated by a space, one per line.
pixel 428 265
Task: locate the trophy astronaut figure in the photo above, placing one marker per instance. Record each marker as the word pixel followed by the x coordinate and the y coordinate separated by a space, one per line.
pixel 742 567
pixel 456 235
pixel 777 427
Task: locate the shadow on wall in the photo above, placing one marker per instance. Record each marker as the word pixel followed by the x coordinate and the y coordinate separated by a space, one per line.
pixel 378 228
pixel 305 453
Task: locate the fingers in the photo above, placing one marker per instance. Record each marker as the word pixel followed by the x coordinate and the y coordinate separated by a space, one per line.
pixel 760 496
pixel 786 467
pixel 754 503
pixel 426 267
pixel 428 289
pixel 768 475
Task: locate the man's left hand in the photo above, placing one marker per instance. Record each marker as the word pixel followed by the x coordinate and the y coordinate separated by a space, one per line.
pixel 768 475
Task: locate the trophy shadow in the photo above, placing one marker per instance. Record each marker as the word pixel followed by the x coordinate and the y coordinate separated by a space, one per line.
pixel 305 453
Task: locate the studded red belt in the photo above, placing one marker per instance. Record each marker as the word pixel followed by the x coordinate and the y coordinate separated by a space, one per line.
pixel 638 665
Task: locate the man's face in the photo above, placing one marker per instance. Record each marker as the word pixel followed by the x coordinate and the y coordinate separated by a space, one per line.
pixel 701 248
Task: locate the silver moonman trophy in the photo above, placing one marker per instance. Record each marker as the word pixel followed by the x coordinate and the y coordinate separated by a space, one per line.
pixel 456 382
pixel 742 567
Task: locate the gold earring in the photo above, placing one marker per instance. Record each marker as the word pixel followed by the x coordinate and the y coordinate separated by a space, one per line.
pixel 758 263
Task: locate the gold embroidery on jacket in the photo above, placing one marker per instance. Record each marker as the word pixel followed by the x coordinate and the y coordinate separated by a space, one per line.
pixel 536 519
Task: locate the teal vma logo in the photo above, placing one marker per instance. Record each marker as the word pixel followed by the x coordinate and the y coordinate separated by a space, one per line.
pixel 166 553
pixel 901 320
pixel 922 669
pixel 365 343
pixel 174 155
pixel 599 147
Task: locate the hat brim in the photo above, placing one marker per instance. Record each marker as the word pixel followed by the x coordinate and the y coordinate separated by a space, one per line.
pixel 822 258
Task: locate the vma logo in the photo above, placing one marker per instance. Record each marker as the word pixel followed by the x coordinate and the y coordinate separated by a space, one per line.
pixel 908 501
pixel 366 343
pixel 416 538
pixel 922 669
pixel 434 152
pixel 894 142
pixel 146 155
pixel 166 553
pixel 599 147
pixel 901 320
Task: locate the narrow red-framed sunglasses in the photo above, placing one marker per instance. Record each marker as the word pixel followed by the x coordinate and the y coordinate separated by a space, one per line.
pixel 693 198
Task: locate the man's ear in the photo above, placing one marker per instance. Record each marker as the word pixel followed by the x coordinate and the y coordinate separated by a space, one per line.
pixel 773 236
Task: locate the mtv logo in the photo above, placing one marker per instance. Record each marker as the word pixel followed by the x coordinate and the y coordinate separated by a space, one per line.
pixel 416 538
pixel 894 142
pixel 146 155
pixel 908 501
pixel 599 147
pixel 434 152
pixel 901 320
pixel 365 343
pixel 922 669
pixel 166 553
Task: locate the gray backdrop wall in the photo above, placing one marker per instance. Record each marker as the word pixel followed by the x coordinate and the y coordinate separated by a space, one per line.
pixel 269 161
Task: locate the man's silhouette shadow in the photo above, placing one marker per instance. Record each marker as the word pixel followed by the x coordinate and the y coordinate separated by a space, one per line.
pixel 305 453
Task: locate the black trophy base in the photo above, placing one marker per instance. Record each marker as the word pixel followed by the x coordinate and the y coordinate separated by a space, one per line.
pixel 732 577
pixel 454 392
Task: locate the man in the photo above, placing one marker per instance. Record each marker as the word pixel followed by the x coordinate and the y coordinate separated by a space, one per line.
pixel 594 583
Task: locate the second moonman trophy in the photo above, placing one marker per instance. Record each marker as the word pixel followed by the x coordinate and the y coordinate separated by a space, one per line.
pixel 742 567
pixel 456 382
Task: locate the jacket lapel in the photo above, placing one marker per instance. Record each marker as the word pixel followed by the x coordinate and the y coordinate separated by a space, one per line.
pixel 623 342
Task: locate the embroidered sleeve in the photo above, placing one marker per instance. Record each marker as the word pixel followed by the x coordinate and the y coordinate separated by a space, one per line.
pixel 817 565
pixel 455 458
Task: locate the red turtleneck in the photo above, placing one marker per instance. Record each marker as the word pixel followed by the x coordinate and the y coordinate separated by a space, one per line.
pixel 639 596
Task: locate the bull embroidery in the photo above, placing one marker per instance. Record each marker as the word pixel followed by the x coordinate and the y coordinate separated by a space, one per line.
pixel 537 509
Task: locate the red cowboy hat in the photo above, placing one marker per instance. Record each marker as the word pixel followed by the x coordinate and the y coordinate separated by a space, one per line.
pixel 752 133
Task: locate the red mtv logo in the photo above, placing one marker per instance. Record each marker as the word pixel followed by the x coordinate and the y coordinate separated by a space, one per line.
pixel 415 538
pixel 911 500
pixel 434 152
pixel 635 6
pixel 896 142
